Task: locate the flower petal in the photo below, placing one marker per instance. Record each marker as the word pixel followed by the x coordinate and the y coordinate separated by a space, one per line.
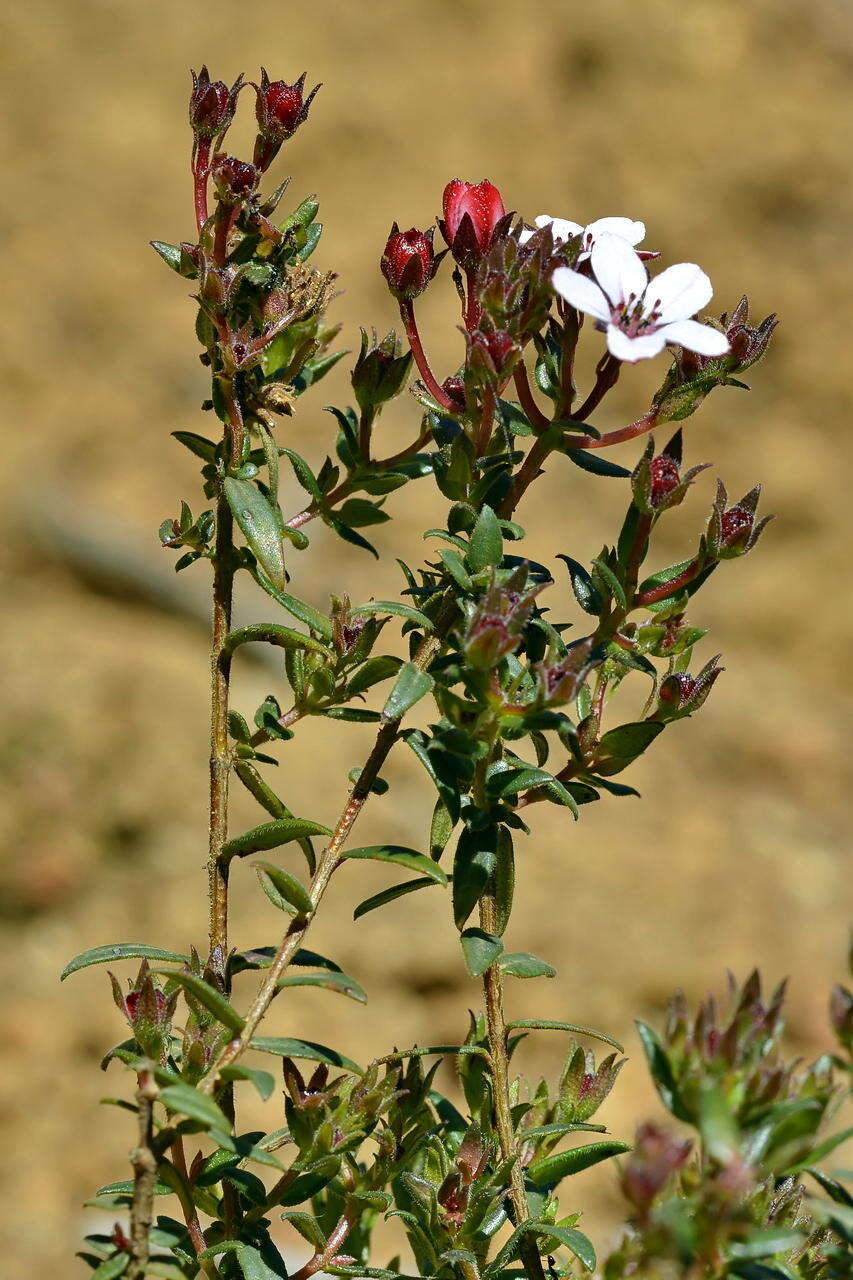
pixel 561 228
pixel 696 337
pixel 633 349
pixel 617 269
pixel 581 292
pixel 679 292
pixel 633 232
pixel 525 234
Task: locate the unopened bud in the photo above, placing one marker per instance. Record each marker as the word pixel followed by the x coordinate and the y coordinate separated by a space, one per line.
pixel 732 531
pixel 234 180
pixel 409 261
pixel 656 1157
pixel 280 109
pixel 212 104
pixel 380 372
pixel 472 214
pixel 681 694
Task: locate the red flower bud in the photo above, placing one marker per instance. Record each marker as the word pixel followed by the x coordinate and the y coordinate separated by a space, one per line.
pixel 455 389
pixel 409 261
pixel 235 180
pixel 280 109
pixel 471 215
pixel 665 477
pixel 212 104
pixel 735 525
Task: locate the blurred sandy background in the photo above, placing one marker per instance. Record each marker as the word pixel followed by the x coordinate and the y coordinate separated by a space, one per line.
pixel 726 127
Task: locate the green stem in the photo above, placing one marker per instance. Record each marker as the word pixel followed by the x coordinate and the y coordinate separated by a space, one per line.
pixel 496 1025
pixel 144 1164
pixel 220 684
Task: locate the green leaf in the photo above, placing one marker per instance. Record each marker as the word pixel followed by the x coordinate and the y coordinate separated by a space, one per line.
pixel 630 740
pixel 339 982
pixel 389 895
pixel 473 864
pixel 381 667
pixel 261 526
pixel 399 856
pixel 480 949
pixel 504 881
pixel 821 1151
pixel 119 951
pixel 209 997
pixel 262 1080
pixel 395 607
pixel 509 782
pixel 287 1047
pixel 612 584
pixel 550 1171
pixel 584 588
pixel 274 633
pixel 661 1072
pixel 520 964
pixel 253 1266
pixel 598 466
pixel 270 835
pixel 306 613
pixel 575 1241
pixel 455 566
pixel 765 1243
pixel 548 1024
pixel 187 1101
pixel 486 545
pixel 199 445
pixel 411 685
pixel 287 892
pixel 303 473
pixel 111 1267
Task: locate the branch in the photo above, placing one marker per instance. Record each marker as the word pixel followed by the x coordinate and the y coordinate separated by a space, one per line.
pixel 144 1164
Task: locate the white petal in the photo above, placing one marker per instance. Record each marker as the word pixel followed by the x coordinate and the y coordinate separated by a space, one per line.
pixel 581 292
pixel 561 228
pixel 633 232
pixel 696 337
pixel 633 349
pixel 525 235
pixel 617 269
pixel 679 292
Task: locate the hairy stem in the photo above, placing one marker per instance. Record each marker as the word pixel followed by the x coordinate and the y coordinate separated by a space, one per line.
pixel 220 683
pixel 407 313
pixel 496 1024
pixel 144 1164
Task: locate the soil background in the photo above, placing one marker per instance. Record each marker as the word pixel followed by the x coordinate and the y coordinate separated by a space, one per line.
pixel 726 127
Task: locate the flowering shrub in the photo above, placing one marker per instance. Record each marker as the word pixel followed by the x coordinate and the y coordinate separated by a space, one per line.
pixel 523 710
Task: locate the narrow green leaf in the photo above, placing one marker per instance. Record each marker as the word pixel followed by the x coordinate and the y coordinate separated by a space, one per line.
pixel 119 951
pixel 339 982
pixel 504 881
pixel 399 856
pixel 584 588
pixel 262 1080
pixel 389 895
pixel 611 582
pixel 187 1101
pixel 550 1171
pixel 289 894
pixel 274 633
pixel 575 1241
pixel 520 964
pixel 199 445
pixel 260 525
pixel 253 1266
pixel 393 606
pixel 486 545
pixel 630 740
pixel 270 835
pixel 599 466
pixel 765 1243
pixel 306 613
pixel 547 1024
pixel 411 685
pixel 480 949
pixel 661 1072
pixel 111 1267
pixel 209 997
pixel 287 1047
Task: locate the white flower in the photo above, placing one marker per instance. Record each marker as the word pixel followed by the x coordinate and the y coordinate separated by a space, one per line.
pixel 562 229
pixel 640 315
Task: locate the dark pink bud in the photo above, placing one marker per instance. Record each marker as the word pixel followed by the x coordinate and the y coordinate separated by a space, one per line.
pixel 455 389
pixel 665 477
pixel 657 1156
pixel 735 526
pixel 234 179
pixel 212 104
pixel 409 261
pixel 472 212
pixel 281 107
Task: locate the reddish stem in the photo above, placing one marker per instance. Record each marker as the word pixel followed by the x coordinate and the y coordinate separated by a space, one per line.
pixel 407 313
pixel 608 372
pixel 671 588
pixel 201 171
pixel 472 309
pixel 538 419
pixel 638 428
